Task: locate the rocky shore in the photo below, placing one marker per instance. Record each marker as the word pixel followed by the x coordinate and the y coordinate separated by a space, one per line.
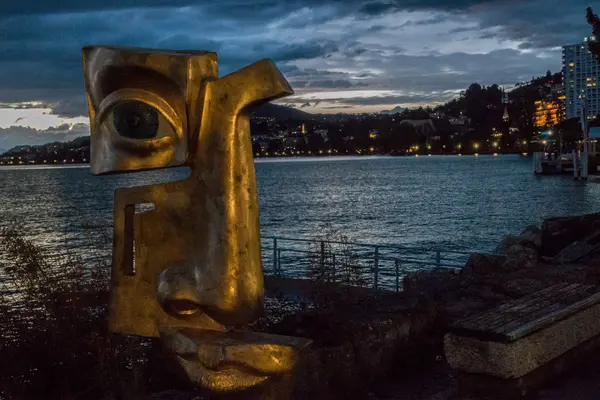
pixel 392 342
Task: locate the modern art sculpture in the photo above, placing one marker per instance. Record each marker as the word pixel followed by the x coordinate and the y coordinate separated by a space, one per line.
pixel 187 267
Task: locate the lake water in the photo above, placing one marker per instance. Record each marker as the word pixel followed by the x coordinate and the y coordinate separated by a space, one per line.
pixel 463 203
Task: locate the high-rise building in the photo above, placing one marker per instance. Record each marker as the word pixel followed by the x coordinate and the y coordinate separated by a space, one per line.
pixel 549 112
pixel 581 78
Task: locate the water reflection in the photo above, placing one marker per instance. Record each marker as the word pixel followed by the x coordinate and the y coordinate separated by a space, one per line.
pixel 466 203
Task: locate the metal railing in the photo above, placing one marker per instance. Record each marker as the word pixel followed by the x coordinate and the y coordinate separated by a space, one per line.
pixel 373 265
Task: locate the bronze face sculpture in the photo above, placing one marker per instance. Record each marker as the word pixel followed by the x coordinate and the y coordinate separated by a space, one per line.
pixel 188 270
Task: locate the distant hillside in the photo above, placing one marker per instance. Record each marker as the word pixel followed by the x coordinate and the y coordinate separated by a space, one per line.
pixel 74 151
pixel 278 112
pixel 395 110
pixel 80 142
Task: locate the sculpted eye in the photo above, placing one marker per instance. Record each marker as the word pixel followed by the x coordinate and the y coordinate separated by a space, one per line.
pixel 136 120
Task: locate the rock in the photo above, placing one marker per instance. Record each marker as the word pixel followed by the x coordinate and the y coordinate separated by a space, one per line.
pixel 519 256
pixel 464 308
pixel 579 249
pixel 521 287
pixel 534 234
pixel 430 281
pixel 510 241
pixel 481 265
pixel 557 233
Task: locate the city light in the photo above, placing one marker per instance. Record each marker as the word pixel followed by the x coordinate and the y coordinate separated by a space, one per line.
pixel 475 145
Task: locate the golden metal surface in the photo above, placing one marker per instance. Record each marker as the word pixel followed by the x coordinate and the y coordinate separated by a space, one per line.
pixel 251 357
pixel 194 260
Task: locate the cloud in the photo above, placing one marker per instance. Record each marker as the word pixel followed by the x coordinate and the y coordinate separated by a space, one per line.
pixel 72 107
pixel 419 50
pixel 24 135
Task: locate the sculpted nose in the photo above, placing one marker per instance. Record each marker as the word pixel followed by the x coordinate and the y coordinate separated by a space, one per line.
pixel 186 289
pixel 177 291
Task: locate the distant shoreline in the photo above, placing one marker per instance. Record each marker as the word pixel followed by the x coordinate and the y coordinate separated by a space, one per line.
pixel 273 158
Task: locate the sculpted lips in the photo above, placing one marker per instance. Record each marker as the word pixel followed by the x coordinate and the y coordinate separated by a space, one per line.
pixel 233 360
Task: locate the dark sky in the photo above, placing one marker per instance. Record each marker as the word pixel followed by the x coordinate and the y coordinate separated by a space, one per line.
pixel 348 56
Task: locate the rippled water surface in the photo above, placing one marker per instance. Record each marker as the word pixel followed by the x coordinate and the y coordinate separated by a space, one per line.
pixel 463 203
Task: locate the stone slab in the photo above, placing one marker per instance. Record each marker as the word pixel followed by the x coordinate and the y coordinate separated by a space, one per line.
pixel 520 357
pixel 492 388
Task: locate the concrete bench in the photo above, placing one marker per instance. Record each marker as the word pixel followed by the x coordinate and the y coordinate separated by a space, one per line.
pixel 519 346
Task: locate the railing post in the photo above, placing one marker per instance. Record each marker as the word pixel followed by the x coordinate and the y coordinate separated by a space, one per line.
pixel 397 275
pixel 376 268
pixel 437 257
pixel 275 267
pixel 322 257
pixel 279 261
pixel 333 266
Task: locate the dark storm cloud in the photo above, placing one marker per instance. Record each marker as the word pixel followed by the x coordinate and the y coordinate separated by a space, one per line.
pixel 540 24
pixel 381 7
pixel 40 42
pixel 41 57
pixel 246 8
pixel 71 107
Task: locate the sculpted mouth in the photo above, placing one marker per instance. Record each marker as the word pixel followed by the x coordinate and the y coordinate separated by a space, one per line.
pixel 232 360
